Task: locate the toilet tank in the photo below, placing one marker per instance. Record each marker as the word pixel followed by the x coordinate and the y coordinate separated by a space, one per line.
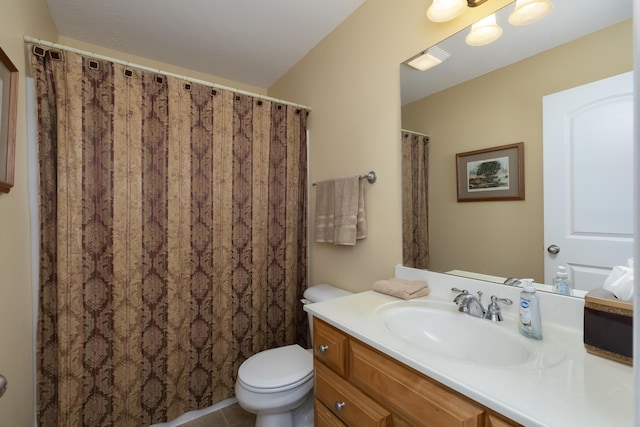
pixel 319 293
pixel 322 292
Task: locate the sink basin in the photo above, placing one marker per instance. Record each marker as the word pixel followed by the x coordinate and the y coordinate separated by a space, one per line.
pixel 439 328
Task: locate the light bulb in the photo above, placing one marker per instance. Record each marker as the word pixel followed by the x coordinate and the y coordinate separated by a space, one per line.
pixel 484 31
pixel 445 10
pixel 529 11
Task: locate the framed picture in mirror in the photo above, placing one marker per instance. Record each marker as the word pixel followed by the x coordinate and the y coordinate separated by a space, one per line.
pixel 495 173
pixel 8 117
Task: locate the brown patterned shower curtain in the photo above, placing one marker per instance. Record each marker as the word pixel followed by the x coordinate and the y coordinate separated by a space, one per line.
pixel 415 200
pixel 173 240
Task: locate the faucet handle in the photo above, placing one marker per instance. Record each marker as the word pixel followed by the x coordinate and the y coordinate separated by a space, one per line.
pixel 493 310
pixel 495 299
pixel 460 298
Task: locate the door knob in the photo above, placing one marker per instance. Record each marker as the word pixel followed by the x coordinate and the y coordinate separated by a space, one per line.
pixel 323 348
pixel 553 249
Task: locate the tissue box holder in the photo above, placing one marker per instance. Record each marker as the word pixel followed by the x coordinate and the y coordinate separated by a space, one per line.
pixel 608 326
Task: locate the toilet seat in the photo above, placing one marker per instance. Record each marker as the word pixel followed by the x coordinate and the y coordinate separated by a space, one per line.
pixel 277 369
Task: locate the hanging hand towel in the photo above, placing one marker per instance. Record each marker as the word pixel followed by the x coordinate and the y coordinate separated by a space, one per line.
pixel 348 197
pixel 361 226
pixel 324 222
pixel 400 288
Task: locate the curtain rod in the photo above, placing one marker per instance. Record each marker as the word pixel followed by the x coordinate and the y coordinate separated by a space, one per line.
pixel 414 132
pixel 29 39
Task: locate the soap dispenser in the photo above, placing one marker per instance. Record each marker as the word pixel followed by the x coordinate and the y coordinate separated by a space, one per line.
pixel 530 323
pixel 561 283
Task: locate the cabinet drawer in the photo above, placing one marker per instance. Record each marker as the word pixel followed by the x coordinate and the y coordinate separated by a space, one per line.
pixel 346 402
pixel 325 418
pixel 330 346
pixel 403 390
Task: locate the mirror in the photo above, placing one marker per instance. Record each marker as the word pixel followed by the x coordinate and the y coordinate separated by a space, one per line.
pixel 490 96
pixel 8 117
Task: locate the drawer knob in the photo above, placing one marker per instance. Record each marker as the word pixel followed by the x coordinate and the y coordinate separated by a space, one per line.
pixel 323 348
pixel 339 406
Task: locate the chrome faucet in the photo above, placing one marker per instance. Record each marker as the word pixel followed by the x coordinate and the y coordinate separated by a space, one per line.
pixel 461 297
pixel 512 281
pixel 468 303
pixel 472 305
pixel 493 310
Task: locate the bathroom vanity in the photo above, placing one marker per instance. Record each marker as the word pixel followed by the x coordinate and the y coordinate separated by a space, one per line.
pixel 373 369
pixel 361 386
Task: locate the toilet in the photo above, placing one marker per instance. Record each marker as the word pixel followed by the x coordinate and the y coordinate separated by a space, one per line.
pixel 277 384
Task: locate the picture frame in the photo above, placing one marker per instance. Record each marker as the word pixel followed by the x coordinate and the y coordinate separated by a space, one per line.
pixel 491 174
pixel 8 118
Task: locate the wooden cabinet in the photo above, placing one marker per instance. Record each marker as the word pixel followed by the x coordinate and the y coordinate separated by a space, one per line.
pixel 330 346
pixel 407 392
pixel 350 404
pixel 495 420
pixel 356 385
pixel 325 418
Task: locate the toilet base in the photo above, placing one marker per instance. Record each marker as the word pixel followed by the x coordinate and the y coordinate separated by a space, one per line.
pixel 301 416
pixel 289 408
pixel 283 419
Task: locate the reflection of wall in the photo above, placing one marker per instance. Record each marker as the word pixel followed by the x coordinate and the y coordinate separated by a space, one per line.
pixel 503 107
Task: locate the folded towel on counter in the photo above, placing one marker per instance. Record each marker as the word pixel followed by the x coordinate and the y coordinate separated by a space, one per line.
pixel 401 288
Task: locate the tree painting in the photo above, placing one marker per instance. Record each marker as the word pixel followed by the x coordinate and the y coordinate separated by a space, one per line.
pixel 489 174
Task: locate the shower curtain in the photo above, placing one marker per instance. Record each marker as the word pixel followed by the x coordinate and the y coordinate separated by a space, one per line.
pixel 172 240
pixel 415 200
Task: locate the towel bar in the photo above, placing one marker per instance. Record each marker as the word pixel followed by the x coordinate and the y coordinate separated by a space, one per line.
pixel 371 177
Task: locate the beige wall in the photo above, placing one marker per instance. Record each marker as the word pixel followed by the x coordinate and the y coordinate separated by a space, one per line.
pixel 134 59
pixel 503 238
pixel 351 82
pixel 18 17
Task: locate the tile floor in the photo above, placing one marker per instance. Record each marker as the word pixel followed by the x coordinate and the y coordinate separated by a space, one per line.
pixel 231 416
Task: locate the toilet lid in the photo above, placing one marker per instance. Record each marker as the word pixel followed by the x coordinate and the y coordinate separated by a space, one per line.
pixel 277 369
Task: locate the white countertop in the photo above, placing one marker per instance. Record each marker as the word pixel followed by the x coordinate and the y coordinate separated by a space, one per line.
pixel 578 389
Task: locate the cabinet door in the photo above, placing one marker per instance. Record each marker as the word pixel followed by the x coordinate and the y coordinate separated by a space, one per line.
pixel 330 346
pixel 346 402
pixel 422 401
pixel 495 420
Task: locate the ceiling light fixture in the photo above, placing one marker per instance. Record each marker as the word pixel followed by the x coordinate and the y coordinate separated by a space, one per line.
pixel 446 10
pixel 529 11
pixel 429 58
pixel 484 31
pixel 474 3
